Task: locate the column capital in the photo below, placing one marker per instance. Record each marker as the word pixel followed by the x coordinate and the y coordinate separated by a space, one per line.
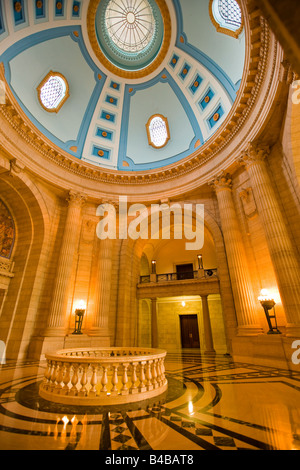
pixel 75 198
pixel 222 182
pixel 254 153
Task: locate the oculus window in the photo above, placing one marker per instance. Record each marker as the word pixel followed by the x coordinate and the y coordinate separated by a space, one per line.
pixel 158 131
pixel 130 24
pixel 53 92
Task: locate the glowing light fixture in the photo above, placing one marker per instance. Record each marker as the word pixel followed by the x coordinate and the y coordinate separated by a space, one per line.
pixel 79 314
pixel 268 303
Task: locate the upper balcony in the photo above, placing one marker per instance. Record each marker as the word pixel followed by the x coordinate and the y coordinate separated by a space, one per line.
pixel 200 282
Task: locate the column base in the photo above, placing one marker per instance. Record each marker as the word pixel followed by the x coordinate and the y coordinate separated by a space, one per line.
pixel 86 341
pixel 42 345
pixel 293 330
pixel 249 330
pixel 266 350
pixel 211 352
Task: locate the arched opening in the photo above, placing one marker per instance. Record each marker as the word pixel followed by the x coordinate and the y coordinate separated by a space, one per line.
pixel 183 308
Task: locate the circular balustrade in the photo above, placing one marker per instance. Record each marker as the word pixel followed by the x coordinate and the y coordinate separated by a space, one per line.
pixel 103 376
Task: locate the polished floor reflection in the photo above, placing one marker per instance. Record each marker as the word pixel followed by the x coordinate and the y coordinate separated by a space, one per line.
pixel 212 403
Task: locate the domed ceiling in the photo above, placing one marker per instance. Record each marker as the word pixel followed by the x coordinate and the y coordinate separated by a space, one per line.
pixel 134 84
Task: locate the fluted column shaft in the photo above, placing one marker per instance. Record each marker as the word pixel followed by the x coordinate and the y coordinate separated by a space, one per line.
pixel 100 325
pixel 209 344
pixel 57 316
pixel 154 325
pixel 237 261
pixel 282 252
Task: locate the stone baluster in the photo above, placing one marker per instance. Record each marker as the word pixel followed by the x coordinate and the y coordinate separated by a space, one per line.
pixel 74 381
pixel 83 381
pixel 282 252
pixel 142 378
pixel 94 381
pixel 66 378
pixel 237 260
pixel 124 390
pixel 115 380
pixel 149 376
pixel 104 379
pixel 134 378
pixel 59 377
pixel 154 374
pixel 53 376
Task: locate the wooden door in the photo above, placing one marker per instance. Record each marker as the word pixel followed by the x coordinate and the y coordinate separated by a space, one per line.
pixel 189 331
pixel 184 271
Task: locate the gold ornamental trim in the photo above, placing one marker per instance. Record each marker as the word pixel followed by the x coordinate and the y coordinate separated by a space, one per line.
pixel 128 74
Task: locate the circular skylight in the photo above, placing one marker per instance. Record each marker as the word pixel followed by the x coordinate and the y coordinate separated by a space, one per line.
pixel 130 24
pixel 130 32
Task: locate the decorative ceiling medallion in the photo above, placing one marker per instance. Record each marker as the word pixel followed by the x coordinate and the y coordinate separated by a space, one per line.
pixel 130 38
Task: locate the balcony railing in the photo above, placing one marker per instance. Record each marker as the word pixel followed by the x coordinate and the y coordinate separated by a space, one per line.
pixel 201 274
pixel 104 376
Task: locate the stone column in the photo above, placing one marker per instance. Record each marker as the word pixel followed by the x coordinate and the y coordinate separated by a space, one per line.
pixel 154 326
pixel 209 344
pixel 237 261
pixel 100 324
pixel 284 258
pixel 56 325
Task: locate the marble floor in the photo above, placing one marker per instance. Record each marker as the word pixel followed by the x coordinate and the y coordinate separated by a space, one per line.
pixel 212 403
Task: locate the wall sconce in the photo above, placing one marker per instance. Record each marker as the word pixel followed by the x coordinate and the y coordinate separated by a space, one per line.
pixel 79 314
pixel 153 264
pixel 200 262
pixel 268 303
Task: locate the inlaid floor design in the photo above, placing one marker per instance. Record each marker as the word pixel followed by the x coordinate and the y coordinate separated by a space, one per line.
pixel 212 403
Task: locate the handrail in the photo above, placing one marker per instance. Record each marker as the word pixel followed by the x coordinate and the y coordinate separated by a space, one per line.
pixel 103 376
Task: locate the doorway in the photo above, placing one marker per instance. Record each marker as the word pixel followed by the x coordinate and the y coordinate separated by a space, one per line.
pixel 184 271
pixel 189 331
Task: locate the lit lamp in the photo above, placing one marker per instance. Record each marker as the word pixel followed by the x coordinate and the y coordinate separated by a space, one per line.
pixel 268 304
pixel 200 262
pixel 153 264
pixel 79 314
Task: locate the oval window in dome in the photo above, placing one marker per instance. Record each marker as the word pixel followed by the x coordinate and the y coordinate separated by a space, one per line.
pixel 158 131
pixel 53 91
pixel 227 17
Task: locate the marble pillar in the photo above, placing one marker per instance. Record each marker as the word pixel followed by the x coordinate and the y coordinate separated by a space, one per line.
pixel 237 260
pixel 56 325
pixel 100 323
pixel 282 252
pixel 154 325
pixel 208 338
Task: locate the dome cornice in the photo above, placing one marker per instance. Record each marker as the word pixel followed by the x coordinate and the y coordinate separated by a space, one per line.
pixel 260 71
